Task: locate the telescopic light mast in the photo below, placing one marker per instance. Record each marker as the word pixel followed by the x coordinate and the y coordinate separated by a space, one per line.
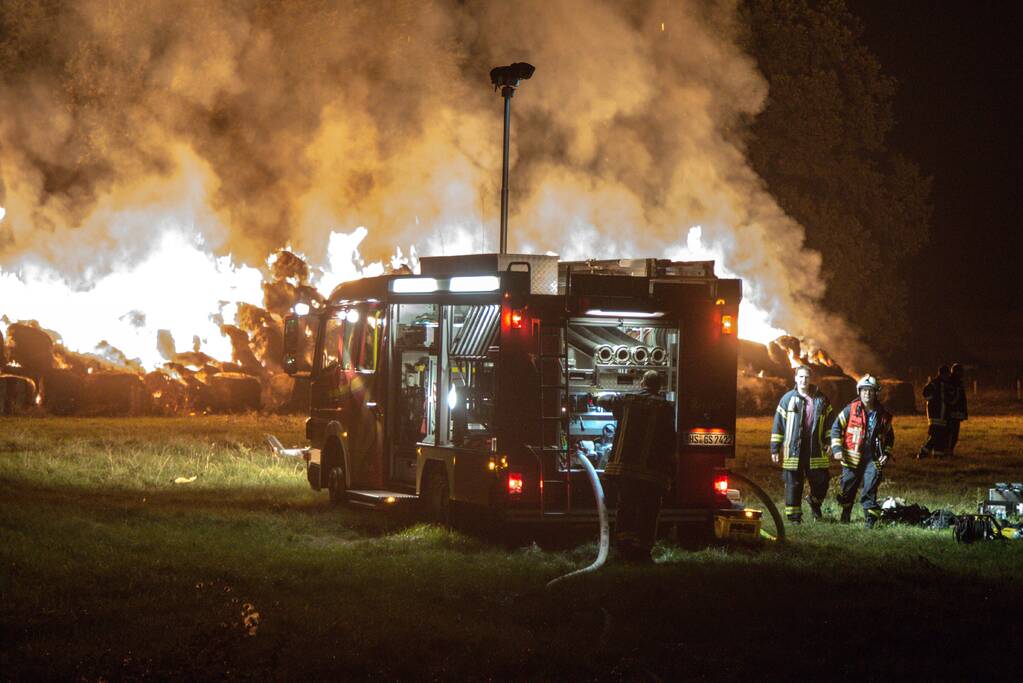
pixel 507 78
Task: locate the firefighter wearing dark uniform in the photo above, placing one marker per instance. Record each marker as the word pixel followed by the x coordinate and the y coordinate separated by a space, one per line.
pixel 956 401
pixel 936 401
pixel 642 464
pixel 862 437
pixel 799 441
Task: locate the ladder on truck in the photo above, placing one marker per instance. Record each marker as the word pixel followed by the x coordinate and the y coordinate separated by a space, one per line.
pixel 555 460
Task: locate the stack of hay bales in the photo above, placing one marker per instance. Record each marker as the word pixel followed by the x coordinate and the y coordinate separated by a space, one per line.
pixel 114 393
pixel 17 394
pixel 234 392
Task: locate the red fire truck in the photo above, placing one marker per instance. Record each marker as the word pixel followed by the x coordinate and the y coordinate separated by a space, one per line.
pixel 473 384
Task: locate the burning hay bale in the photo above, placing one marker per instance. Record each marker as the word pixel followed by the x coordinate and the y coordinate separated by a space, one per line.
pixel 114 393
pixel 17 394
pixel 234 392
pixel 287 394
pixel 241 350
pixel 266 335
pixel 31 349
pixel 286 264
pixel 755 360
pixel 168 394
pixel 40 370
pixel 898 396
pixel 281 296
pixel 788 352
pixel 767 372
pixel 62 391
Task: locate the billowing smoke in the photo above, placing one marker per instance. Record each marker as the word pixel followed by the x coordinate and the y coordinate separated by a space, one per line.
pixel 261 124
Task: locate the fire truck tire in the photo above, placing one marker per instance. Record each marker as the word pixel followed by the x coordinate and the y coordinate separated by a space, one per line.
pixel 436 496
pixel 336 486
pixel 312 474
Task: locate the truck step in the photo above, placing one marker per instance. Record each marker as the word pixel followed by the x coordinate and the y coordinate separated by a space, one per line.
pixel 381 499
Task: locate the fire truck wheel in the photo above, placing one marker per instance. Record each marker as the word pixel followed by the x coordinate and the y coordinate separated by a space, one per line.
pixel 336 486
pixel 436 496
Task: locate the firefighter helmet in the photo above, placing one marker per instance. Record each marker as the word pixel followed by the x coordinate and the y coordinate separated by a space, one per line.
pixel 867 382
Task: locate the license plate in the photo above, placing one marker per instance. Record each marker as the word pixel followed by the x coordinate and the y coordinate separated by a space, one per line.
pixel 710 439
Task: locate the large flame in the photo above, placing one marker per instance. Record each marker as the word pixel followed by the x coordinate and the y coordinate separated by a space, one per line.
pixel 182 288
pixel 179 286
pixel 754 320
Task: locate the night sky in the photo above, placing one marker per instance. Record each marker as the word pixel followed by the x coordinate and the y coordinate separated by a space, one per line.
pixel 958 66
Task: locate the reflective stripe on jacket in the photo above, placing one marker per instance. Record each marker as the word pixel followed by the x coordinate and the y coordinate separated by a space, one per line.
pixel 787 433
pixel 849 433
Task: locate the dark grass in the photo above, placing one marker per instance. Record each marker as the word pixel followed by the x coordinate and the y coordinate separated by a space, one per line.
pixel 112 571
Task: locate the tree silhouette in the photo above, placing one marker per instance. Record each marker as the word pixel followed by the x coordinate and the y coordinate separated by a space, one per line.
pixel 820 147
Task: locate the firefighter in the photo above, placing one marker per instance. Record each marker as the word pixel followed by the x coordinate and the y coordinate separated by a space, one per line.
pixel 956 402
pixel 935 395
pixel 799 441
pixel 862 438
pixel 642 462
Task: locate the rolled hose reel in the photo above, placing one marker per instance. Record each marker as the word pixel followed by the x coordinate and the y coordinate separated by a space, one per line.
pixel 606 354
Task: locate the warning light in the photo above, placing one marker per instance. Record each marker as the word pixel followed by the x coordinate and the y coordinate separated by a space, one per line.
pixel 721 483
pixel 516 319
pixel 515 484
pixel 727 326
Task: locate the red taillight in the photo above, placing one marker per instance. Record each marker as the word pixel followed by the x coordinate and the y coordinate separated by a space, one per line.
pixel 721 484
pixel 516 320
pixel 514 483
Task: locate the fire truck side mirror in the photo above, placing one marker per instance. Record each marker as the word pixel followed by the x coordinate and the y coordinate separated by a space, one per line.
pixel 297 349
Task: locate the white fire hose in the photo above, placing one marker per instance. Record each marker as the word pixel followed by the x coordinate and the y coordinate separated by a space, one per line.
pixel 280 451
pixel 605 535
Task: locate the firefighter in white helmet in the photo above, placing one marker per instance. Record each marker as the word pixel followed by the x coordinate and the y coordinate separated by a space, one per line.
pixel 862 438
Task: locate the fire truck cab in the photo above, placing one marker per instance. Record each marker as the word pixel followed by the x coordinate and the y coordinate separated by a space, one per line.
pixel 474 383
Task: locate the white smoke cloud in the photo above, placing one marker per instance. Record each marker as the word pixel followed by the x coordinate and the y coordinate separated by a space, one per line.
pixel 259 124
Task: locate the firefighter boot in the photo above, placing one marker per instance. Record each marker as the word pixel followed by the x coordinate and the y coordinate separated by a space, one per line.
pixel 846 514
pixel 870 517
pixel 815 508
pixel 793 514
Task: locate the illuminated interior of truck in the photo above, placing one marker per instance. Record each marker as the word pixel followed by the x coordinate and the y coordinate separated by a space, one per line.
pixel 607 358
pixel 468 401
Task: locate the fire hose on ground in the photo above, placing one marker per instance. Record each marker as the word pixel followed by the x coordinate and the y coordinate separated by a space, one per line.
pixel 779 523
pixel 605 534
pixel 605 537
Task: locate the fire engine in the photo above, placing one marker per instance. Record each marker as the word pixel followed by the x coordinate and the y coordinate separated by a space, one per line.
pixel 472 385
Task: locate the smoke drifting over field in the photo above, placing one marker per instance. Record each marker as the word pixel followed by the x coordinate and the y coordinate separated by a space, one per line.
pixel 251 125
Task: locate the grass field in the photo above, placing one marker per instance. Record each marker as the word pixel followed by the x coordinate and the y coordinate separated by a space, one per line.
pixel 113 571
